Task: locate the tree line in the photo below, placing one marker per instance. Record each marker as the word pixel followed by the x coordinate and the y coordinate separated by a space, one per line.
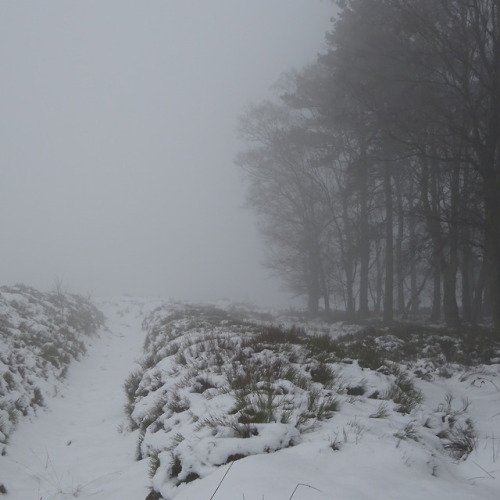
pixel 376 170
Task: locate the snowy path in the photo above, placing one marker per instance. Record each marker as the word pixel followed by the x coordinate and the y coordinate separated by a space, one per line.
pixel 74 449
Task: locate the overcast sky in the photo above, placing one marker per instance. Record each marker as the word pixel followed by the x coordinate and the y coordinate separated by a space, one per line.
pixel 118 135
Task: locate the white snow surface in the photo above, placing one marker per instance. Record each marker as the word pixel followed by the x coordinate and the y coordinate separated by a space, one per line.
pixel 74 449
pixel 78 448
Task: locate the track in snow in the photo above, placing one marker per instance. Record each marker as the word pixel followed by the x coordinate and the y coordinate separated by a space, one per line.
pixel 74 448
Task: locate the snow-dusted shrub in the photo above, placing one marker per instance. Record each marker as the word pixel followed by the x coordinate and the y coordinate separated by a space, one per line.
pixel 321 406
pixel 382 411
pixel 154 463
pixel 461 439
pixel 176 403
pixel 356 390
pixel 203 383
pixel 409 431
pixel 280 335
pixel 366 351
pixel 260 406
pixel 130 386
pixel 456 429
pixel 355 429
pixel 325 346
pixel 429 349
pixel 404 393
pixel 323 374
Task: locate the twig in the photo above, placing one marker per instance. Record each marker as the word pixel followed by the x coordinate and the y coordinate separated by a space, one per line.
pixel 222 480
pixel 49 462
pixel 302 484
pixel 484 470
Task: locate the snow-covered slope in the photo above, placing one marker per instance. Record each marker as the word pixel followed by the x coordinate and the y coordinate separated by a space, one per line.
pixel 284 412
pixel 40 334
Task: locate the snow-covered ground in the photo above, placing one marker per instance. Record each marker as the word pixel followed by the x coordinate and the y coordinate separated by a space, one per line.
pixel 80 446
pixel 205 375
pixel 40 335
pixel 75 448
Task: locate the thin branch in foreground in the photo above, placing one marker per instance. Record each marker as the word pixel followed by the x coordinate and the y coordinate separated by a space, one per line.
pixel 222 480
pixel 302 484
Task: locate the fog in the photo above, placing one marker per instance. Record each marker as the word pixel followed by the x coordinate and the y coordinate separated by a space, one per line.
pixel 118 135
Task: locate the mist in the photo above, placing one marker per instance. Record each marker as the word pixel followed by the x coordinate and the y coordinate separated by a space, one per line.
pixel 118 135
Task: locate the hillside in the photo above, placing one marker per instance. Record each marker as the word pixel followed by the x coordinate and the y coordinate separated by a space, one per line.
pixel 40 334
pixel 225 403
pixel 410 412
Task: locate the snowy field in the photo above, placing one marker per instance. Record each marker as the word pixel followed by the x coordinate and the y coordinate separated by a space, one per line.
pixel 343 445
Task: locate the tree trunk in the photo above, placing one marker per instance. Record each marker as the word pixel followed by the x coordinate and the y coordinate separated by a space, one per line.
pixel 436 293
pixel 348 261
pixel 450 267
pixel 313 283
pixel 478 296
pixel 325 291
pixel 313 299
pixel 466 275
pixel 466 271
pixel 429 190
pixel 413 258
pixel 492 250
pixel 364 239
pixel 350 304
pixel 400 274
pixel 450 306
pixel 379 283
pixel 389 250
